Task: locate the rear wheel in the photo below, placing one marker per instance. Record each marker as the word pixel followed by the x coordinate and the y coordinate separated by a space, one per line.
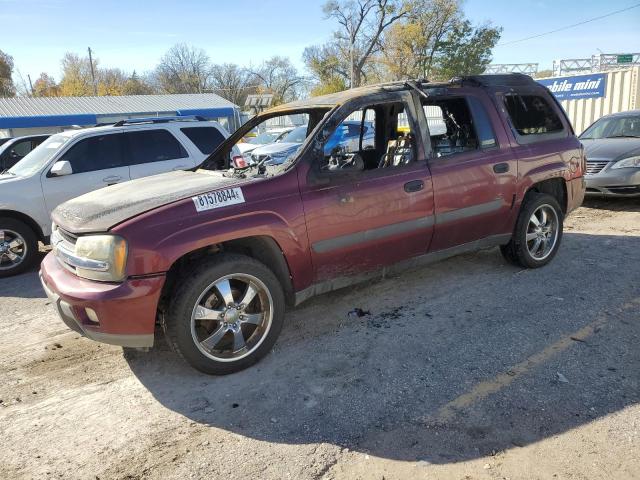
pixel 18 247
pixel 538 232
pixel 226 315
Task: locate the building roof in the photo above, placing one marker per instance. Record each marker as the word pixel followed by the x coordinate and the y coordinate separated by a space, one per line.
pixel 36 106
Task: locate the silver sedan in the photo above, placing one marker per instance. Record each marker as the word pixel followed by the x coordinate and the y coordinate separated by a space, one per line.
pixel 612 147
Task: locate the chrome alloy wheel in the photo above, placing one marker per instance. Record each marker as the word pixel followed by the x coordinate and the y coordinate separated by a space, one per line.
pixel 542 232
pixel 13 249
pixel 232 317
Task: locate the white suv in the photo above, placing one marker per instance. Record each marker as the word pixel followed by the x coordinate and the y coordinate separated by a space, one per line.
pixel 75 162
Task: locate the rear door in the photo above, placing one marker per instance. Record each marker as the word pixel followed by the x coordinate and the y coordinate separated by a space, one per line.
pixel 154 151
pixel 97 162
pixel 473 169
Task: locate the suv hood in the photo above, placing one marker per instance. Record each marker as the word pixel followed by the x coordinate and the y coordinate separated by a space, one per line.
pixel 272 148
pixel 611 148
pixel 102 209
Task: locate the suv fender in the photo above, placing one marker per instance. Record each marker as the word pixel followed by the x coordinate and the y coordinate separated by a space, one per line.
pixel 209 237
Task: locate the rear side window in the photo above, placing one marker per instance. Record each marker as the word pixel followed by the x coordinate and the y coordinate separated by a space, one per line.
pixel 206 139
pixel 96 153
pixel 148 146
pixel 532 115
pixel 482 122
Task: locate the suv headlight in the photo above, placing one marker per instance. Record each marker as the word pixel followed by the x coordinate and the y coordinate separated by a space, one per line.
pixel 631 162
pixel 106 255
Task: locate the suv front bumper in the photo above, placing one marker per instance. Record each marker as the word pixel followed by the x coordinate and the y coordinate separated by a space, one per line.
pixel 126 312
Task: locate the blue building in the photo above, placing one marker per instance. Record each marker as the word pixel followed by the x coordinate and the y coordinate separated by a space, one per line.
pixel 33 115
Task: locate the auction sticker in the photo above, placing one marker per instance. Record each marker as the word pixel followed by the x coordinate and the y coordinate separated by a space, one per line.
pixel 218 198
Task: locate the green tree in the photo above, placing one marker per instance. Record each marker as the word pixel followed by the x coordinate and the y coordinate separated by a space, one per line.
pixel 411 47
pixel 466 50
pixel 7 88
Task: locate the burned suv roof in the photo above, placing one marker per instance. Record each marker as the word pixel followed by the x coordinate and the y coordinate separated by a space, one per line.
pixel 339 98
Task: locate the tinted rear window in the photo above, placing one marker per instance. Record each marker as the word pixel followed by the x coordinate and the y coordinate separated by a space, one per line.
pixel 206 139
pixel 149 146
pixel 532 115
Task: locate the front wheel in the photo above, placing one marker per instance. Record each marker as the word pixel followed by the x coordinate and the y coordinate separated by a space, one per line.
pixel 225 315
pixel 18 247
pixel 538 232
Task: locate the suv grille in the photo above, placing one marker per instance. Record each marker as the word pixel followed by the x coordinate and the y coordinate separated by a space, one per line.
pixel 595 166
pixel 63 241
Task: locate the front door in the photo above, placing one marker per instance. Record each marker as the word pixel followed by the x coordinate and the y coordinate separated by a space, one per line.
pixel 379 210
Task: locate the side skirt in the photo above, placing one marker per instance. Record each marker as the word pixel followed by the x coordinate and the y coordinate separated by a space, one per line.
pixel 405 265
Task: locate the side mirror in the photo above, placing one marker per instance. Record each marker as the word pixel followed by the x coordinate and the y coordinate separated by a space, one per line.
pixel 61 169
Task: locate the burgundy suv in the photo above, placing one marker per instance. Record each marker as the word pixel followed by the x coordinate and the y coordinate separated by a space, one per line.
pixel 215 255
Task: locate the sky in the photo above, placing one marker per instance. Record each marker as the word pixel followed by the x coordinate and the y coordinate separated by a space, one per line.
pixel 134 34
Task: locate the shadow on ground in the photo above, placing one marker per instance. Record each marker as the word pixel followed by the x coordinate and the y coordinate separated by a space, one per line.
pixel 25 285
pixel 455 361
pixel 614 204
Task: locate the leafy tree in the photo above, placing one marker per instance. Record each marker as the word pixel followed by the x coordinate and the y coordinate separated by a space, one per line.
pixel 45 86
pixel 7 88
pixel 411 47
pixel 330 85
pixel 467 50
pixel 76 76
pixel 111 81
pixel 135 85
pixel 184 69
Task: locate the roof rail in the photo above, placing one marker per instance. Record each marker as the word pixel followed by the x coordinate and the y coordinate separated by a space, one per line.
pixel 495 80
pixel 142 120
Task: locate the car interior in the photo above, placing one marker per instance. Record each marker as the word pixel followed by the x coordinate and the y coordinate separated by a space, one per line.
pixel 451 126
pixel 389 146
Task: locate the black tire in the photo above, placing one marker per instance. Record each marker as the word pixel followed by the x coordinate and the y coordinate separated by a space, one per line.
pixel 517 251
pixel 12 226
pixel 186 296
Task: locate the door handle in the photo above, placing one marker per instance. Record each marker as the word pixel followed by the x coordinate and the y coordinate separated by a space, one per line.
pixel 112 179
pixel 501 167
pixel 413 186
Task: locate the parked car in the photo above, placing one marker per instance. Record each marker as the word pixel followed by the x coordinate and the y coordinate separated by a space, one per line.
pixel 15 149
pixel 276 153
pixel 612 146
pixel 269 136
pixel 74 162
pixel 215 255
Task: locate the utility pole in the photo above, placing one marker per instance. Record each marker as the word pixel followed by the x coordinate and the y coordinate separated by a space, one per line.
pixel 93 75
pixel 30 84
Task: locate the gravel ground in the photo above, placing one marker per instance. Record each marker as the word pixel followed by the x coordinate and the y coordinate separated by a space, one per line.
pixel 467 369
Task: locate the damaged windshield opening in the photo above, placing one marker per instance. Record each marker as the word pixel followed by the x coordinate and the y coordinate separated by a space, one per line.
pixel 267 144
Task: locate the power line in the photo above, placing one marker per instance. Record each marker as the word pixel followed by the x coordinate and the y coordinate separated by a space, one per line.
pixel 569 26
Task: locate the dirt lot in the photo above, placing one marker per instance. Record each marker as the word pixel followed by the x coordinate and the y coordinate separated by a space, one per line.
pixel 468 369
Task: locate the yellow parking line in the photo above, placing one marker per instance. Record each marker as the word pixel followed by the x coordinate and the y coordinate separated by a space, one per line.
pixel 489 387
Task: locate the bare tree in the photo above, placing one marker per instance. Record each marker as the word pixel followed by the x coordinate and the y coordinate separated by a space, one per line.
pixel 184 69
pixel 362 25
pixel 279 77
pixel 232 82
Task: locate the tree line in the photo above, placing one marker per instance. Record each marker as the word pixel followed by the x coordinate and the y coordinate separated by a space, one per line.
pixel 374 41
